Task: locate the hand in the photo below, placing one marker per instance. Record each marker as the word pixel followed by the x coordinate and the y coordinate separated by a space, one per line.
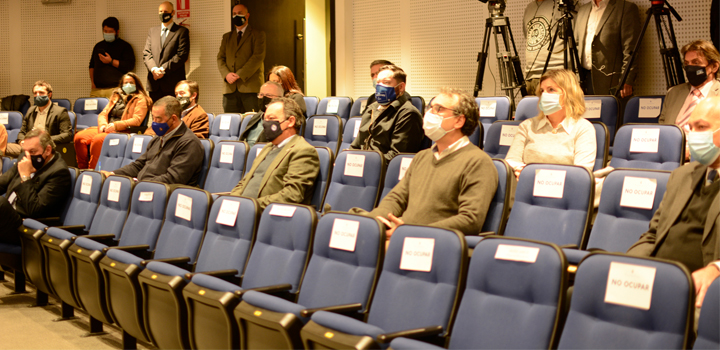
pixel 232 78
pixel 157 74
pixel 92 85
pixel 110 128
pixel 105 58
pixel 702 279
pixel 25 167
pixel 392 222
pixel 106 173
pixel 626 91
pixel 518 170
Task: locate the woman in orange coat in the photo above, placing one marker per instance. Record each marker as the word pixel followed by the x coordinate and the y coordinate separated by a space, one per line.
pixel 128 107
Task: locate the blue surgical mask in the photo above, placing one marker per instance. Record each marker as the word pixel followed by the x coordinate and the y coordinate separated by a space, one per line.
pixel 549 103
pixel 160 129
pixel 374 83
pixel 702 147
pixel 384 94
pixel 109 37
pixel 129 88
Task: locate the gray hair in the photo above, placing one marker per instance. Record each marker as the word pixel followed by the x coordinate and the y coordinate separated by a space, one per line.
pixel 466 106
pixel 44 137
pixel 171 105
pixel 291 109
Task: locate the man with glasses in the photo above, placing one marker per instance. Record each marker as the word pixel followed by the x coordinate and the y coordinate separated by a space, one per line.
pixel 449 185
pixel 254 130
pixel 391 124
pixel 286 168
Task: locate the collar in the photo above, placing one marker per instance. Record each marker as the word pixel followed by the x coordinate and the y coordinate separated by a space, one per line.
pixel 172 132
pixel 567 124
pixel 168 26
pixel 285 141
pixel 185 112
pixel 704 89
pixel 462 142
pixel 242 30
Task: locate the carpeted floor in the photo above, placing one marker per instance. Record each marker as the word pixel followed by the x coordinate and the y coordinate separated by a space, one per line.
pixel 24 327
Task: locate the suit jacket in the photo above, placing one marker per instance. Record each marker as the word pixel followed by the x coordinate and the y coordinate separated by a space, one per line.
pixel 679 191
pixel 244 59
pixel 197 120
pixel 254 120
pixel 615 37
pixel 289 178
pixel 172 56
pixel 42 196
pixel 675 99
pixel 57 124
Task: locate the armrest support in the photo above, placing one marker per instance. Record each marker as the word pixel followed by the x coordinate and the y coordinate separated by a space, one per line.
pixel 340 309
pixel 269 289
pixel 225 275
pixel 485 234
pixel 410 333
pixel 107 239
pixel 78 230
pixel 569 246
pixel 182 261
pixel 140 250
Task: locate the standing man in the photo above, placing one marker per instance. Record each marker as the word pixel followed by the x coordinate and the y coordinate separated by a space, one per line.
pixel 110 60
pixel 166 50
pixel 541 19
pixel 240 62
pixel 606 32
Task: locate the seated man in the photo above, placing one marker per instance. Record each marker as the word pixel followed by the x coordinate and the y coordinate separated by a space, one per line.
pixel 36 187
pixel 187 93
pixel 286 168
pixel 701 62
pixel 450 185
pixel 374 70
pixel 682 227
pixel 175 156
pixel 254 131
pixel 391 124
pixel 43 115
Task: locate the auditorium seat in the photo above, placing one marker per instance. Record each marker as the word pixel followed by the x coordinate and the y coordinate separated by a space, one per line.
pixel 358 107
pixel 336 105
pixel 497 214
pixel 322 180
pixel 208 150
pixel 499 138
pixel 324 131
pixel 227 166
pixel 708 332
pixel 62 102
pixel 356 180
pixel 225 249
pixel 477 138
pixel 141 228
pixel 112 152
pixel 340 276
pixel 244 123
pixel 418 292
pixel 621 219
pixel 514 298
pixel 643 109
pixel 276 264
pixel 350 132
pixel 602 142
pixel 226 127
pixel 419 103
pixel 180 238
pixel 13 125
pixel 211 118
pixel 252 154
pixel 647 146
pixel 492 109
pixel 311 102
pixel 7 164
pixel 527 108
pixel 608 114
pixel 623 302
pixel 395 172
pixel 87 110
pixel 136 146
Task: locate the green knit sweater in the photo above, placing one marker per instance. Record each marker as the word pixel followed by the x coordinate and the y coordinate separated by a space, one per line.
pixel 454 192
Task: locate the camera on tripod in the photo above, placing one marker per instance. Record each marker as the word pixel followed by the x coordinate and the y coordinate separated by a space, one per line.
pixel 495 7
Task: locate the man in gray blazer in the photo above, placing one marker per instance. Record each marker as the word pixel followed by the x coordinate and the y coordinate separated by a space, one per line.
pixel 167 48
pixel 606 32
pixel 685 226
pixel 701 61
pixel 240 62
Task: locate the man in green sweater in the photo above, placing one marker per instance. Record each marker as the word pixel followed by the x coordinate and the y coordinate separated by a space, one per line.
pixel 451 184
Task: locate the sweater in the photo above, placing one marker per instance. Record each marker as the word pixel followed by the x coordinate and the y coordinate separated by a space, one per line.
pixel 452 193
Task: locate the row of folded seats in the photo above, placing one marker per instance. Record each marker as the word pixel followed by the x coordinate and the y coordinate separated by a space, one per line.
pixel 174 267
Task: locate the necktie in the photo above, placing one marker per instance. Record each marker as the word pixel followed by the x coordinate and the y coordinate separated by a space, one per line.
pixel 685 116
pixel 164 35
pixel 239 37
pixel 711 176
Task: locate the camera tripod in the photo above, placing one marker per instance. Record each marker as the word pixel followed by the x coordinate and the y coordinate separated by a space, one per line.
pixel 672 63
pixel 564 29
pixel 511 75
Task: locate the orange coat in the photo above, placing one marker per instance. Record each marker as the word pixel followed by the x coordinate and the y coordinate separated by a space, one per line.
pixel 135 111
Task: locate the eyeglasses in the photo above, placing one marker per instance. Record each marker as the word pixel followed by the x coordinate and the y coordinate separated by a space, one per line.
pixel 437 109
pixel 261 95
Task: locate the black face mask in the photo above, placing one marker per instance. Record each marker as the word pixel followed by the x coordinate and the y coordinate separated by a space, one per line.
pixel 37 161
pixel 184 102
pixel 165 17
pixel 696 75
pixel 239 20
pixel 272 129
pixel 264 102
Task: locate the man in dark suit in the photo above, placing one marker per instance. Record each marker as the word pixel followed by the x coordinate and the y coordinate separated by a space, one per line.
pixel 685 226
pixel 254 130
pixel 240 62
pixel 43 115
pixel 166 50
pixel 37 186
pixel 606 32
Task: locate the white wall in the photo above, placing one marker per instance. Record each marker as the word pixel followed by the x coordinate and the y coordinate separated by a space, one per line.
pixel 436 42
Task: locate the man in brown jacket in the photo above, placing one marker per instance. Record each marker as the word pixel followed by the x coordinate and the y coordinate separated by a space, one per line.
pixel 195 118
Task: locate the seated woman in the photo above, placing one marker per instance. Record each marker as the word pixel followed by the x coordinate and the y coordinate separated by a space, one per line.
pixel 128 107
pixel 559 134
pixel 285 77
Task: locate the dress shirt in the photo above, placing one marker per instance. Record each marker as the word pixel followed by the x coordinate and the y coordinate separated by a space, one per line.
pixel 42 117
pixel 462 142
pixel 592 26
pixel 704 91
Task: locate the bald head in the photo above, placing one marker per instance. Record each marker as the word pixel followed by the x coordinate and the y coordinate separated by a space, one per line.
pixel 239 7
pixel 167 6
pixel 705 119
pixel 707 113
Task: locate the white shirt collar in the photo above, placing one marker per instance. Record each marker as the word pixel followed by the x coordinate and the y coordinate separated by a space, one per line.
pixel 462 142
pixel 285 141
pixel 167 26
pixel 567 124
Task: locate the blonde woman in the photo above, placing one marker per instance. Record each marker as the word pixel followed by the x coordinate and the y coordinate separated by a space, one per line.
pixel 558 134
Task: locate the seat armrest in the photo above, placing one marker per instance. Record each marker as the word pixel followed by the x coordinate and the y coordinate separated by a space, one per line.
pixel 269 289
pixel 410 333
pixel 78 230
pixel 485 234
pixel 569 246
pixel 222 274
pixel 182 261
pixel 340 309
pixel 221 193
pixel 141 250
pixel 107 239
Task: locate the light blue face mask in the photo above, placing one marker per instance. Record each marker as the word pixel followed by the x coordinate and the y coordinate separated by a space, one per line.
pixel 549 103
pixel 109 37
pixel 702 147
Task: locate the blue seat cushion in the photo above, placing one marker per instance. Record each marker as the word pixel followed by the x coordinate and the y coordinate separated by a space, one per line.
pixel 274 304
pixel 214 283
pixel 60 234
pixel 34 224
pixel 166 269
pixel 89 244
pixel 123 257
pixel 411 344
pixel 472 241
pixel 346 324
pixel 575 255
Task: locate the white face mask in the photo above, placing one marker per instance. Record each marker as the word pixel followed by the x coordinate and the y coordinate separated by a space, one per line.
pixel 432 124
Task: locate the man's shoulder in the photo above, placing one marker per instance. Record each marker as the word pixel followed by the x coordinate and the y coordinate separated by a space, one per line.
pixel 683 88
pixel 686 169
pixel 57 110
pixel 198 111
pixel 301 145
pixel 58 168
pixel 180 28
